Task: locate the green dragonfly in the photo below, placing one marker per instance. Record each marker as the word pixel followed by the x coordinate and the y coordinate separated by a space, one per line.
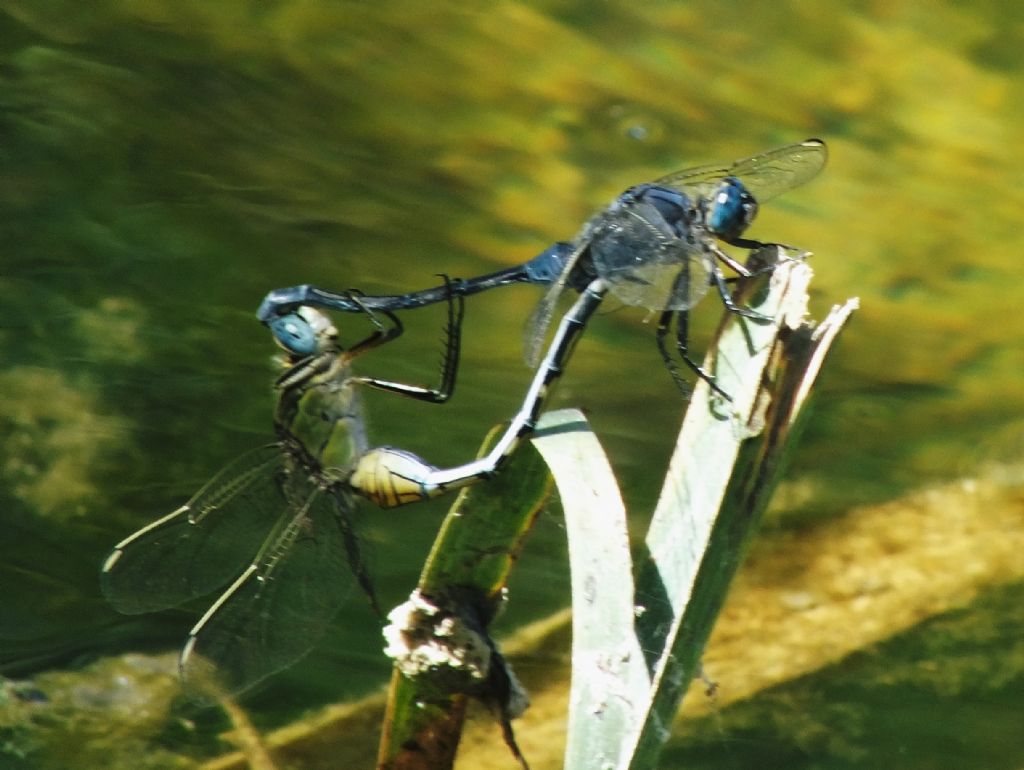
pixel 284 588
pixel 275 526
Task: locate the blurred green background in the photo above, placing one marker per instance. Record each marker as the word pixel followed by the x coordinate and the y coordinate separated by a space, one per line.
pixel 163 165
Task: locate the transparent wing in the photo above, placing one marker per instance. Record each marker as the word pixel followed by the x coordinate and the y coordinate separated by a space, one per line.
pixel 765 175
pixel 644 262
pixel 536 331
pixel 280 606
pixel 203 544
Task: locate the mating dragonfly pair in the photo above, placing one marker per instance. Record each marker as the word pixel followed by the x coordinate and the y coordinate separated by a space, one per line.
pixel 655 246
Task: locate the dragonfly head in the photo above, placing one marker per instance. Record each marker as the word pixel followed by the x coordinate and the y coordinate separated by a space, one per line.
pixel 731 209
pixel 303 333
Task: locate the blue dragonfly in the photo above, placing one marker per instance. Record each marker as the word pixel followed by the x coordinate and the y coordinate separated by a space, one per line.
pixel 655 246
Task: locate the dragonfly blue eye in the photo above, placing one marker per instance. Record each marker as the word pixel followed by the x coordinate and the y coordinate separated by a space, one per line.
pixel 731 210
pixel 294 334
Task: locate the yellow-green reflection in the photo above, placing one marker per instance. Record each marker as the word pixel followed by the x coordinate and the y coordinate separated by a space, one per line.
pixel 163 165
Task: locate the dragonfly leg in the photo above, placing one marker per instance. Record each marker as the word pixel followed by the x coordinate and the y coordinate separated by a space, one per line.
pixel 382 334
pixel 756 263
pixel 664 322
pixel 754 245
pixel 683 348
pixel 449 363
pixel 391 477
pixel 735 266
pixel 679 289
pixel 721 282
pixel 723 291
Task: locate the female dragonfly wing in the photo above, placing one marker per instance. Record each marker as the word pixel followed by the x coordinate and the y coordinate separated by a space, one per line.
pixel 202 545
pixel 279 605
pixel 765 175
pixel 282 603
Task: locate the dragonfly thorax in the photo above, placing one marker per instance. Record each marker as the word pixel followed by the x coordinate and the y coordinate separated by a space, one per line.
pixel 651 248
pixel 676 210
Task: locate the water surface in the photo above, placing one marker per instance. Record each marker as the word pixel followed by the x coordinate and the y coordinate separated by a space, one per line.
pixel 163 165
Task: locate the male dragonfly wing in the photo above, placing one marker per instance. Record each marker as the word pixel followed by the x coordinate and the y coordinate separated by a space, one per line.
pixel 765 175
pixel 202 545
pixel 282 603
pixel 535 331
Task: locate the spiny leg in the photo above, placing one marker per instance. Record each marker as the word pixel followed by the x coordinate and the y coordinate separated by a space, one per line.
pixel 680 288
pixel 450 361
pixel 664 322
pixel 682 316
pixel 452 341
pixel 682 348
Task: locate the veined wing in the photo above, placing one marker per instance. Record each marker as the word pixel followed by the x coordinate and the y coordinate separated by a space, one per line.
pixel 644 262
pixel 766 175
pixel 536 331
pixel 281 604
pixel 202 545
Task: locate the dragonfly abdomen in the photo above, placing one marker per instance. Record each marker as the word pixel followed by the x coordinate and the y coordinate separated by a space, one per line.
pixel 392 477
